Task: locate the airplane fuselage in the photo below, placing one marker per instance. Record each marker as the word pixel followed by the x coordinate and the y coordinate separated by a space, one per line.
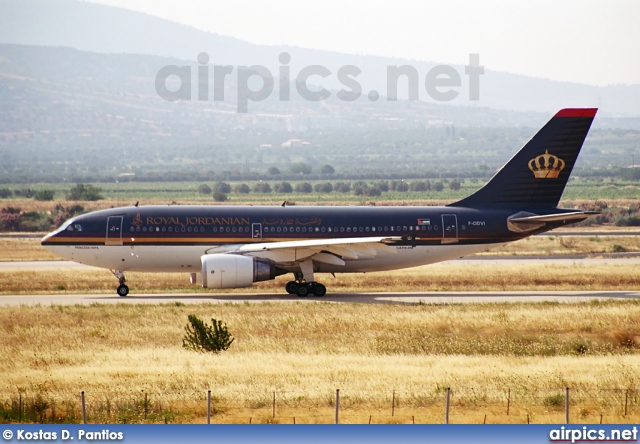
pixel 173 238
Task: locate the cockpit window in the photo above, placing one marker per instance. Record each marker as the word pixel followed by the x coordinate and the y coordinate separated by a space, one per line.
pixel 74 227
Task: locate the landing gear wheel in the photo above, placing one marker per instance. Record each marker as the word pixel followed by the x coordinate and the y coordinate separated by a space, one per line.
pixel 123 290
pixel 318 290
pixel 303 291
pixel 292 287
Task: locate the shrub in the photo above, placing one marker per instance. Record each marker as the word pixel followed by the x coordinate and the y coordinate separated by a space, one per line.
pixel 304 187
pixel 204 189
pixel 323 187
pixel 262 187
pixel 420 186
pixel 202 337
pixel 437 186
pixel 44 195
pixel 554 400
pixel 283 187
pixel 342 187
pixel 327 169
pixel 243 188
pixel 84 192
pixel 223 187
pixel 219 196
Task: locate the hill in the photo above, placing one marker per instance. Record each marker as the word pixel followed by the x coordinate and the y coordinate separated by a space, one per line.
pixel 104 29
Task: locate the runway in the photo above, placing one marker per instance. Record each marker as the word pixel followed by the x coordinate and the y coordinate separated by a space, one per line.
pixel 428 298
pixel 361 298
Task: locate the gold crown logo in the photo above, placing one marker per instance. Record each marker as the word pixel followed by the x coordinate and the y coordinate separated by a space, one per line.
pixel 137 221
pixel 546 166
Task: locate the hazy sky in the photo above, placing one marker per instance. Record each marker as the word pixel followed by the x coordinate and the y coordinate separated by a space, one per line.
pixel 586 41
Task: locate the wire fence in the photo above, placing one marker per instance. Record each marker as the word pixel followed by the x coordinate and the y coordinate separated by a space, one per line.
pixel 441 405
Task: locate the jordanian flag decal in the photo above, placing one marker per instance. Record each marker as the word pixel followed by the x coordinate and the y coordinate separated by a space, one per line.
pixel 424 221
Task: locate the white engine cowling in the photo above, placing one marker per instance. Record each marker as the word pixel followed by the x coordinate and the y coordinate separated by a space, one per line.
pixel 234 271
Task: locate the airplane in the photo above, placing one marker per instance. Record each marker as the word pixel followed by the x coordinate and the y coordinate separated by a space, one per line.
pixel 235 246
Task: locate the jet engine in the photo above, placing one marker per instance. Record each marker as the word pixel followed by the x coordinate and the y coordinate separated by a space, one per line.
pixel 234 271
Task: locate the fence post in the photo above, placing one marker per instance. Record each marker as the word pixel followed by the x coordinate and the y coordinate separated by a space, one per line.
pixel 337 404
pixel 146 403
pixel 84 408
pixel 446 411
pixel 273 413
pixel 20 409
pixel 566 405
pixel 208 406
pixel 508 401
pixel 393 403
pixel 626 401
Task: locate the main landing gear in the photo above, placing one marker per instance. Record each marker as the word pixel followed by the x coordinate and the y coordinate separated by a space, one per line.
pixel 305 285
pixel 122 289
pixel 304 289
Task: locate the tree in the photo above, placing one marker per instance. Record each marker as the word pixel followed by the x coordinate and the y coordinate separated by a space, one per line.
pixel 273 171
pixel 454 185
pixel 283 187
pixel 327 169
pixel 420 186
pixel 262 187
pixel 304 187
pixel 204 189
pixel 323 187
pixel 202 337
pixel 301 168
pixel 5 192
pixel 437 186
pixel 243 188
pixel 222 187
pixel 342 187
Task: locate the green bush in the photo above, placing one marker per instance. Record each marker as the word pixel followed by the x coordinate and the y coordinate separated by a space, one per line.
pixel 202 337
pixel 44 195
pixel 84 192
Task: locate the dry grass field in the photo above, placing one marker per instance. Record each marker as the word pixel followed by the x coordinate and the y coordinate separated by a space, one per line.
pixel 448 276
pixel 491 355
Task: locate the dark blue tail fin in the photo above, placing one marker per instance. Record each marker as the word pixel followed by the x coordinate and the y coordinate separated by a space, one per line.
pixel 538 173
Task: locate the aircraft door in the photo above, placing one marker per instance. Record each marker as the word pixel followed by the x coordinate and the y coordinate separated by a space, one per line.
pixel 449 228
pixel 256 232
pixel 114 231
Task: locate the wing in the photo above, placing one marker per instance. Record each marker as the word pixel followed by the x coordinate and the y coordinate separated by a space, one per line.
pixel 328 251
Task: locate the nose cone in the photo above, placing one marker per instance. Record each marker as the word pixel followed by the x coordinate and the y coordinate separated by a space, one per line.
pixel 46 241
pixel 50 244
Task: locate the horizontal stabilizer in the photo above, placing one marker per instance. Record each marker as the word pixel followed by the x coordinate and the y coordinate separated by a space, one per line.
pixel 523 222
